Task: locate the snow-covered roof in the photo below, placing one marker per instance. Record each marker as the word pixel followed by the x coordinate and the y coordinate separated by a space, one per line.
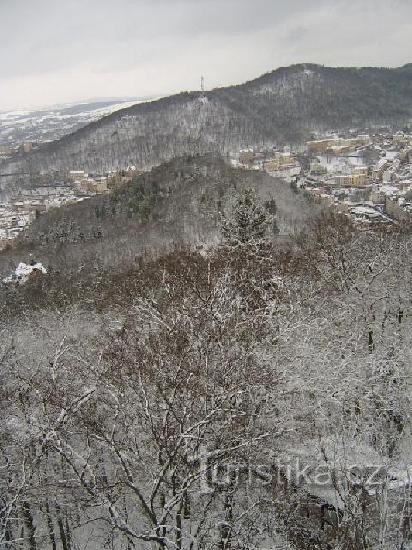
pixel 363 210
pixel 392 155
pixel 389 189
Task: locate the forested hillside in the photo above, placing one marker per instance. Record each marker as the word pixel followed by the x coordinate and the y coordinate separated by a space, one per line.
pixel 179 202
pixel 236 396
pixel 283 106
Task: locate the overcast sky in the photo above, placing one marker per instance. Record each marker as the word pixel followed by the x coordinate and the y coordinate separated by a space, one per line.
pixel 54 51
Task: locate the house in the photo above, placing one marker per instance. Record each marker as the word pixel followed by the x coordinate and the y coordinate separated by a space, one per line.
pixel 337 145
pixel 368 214
pixel 5 151
pixel 317 168
pixel 75 175
pixel 320 145
pixel 354 180
pixel 379 169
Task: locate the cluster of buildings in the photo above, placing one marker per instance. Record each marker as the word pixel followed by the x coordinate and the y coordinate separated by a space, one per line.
pixel 278 163
pixel 75 186
pixel 9 150
pixel 26 205
pixel 366 176
pixel 337 145
pixel 84 184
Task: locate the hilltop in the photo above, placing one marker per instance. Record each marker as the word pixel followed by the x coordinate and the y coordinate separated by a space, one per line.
pixel 286 105
pixel 177 203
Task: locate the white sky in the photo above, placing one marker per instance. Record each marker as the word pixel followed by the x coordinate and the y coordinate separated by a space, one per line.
pixel 55 51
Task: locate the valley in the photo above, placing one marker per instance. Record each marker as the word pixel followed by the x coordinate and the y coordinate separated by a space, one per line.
pixel 205 318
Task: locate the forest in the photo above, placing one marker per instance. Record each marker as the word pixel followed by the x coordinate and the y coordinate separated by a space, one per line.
pixel 245 384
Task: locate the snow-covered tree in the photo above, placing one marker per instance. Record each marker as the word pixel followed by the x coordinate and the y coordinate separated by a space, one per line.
pixel 247 221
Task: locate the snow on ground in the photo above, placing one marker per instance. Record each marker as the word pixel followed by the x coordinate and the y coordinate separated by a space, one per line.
pixel 23 272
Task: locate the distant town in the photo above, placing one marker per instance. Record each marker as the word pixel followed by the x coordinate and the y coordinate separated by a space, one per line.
pixel 21 131
pixel 366 176
pixel 74 186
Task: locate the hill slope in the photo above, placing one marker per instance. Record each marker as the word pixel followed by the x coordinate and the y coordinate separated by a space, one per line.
pixel 179 202
pixel 285 105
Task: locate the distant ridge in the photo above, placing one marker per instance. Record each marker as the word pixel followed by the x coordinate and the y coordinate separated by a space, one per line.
pixel 283 106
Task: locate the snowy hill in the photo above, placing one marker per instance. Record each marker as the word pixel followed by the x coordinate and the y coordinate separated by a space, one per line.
pixel 283 106
pixel 177 202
